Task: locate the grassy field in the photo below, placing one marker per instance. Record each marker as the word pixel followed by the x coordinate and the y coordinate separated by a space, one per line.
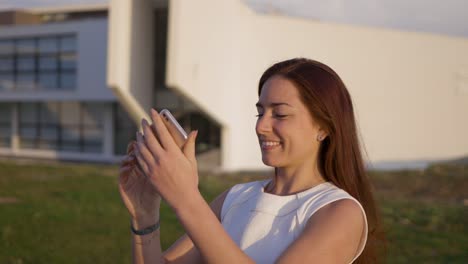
pixel 69 213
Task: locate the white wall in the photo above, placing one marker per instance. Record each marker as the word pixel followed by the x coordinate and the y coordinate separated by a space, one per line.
pixel 91 60
pixel 205 64
pixel 409 89
pixel 405 85
pixel 131 55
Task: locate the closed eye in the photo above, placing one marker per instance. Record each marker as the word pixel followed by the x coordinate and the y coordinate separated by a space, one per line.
pixel 277 116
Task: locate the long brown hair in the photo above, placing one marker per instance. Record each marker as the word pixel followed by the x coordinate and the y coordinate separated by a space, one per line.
pixel 339 159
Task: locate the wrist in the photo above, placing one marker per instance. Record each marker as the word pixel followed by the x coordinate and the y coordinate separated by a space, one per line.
pixel 144 231
pixel 190 205
pixel 142 222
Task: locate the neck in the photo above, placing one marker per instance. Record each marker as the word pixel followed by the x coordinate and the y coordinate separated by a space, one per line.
pixel 291 180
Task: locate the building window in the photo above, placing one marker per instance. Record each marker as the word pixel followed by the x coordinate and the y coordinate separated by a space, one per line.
pixel 124 128
pixel 38 63
pixel 5 125
pixel 62 126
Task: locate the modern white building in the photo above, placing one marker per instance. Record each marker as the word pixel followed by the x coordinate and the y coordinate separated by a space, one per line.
pixel 105 66
pixel 55 102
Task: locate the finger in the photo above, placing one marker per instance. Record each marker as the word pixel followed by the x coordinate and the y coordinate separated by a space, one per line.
pixel 143 149
pixel 132 163
pixel 167 142
pixel 130 146
pixel 150 140
pixel 139 170
pixel 127 158
pixel 189 147
pixel 141 164
pixel 124 174
pixel 124 169
pixel 142 154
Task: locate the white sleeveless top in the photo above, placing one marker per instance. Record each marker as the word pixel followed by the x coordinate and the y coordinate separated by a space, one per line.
pixel 263 225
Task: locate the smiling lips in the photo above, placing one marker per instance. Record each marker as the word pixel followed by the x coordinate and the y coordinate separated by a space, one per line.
pixel 268 145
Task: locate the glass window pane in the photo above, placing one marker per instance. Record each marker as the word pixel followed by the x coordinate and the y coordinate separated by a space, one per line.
pixel 25 81
pixel 27 143
pixel 27 131
pixel 7 46
pixel 48 62
pixel 68 61
pixel 49 113
pixel 70 113
pixel 68 43
pixel 71 133
pixel 92 134
pixel 25 46
pixel 48 45
pixel 48 81
pixel 5 130
pixel 47 144
pixel 26 63
pixel 68 80
pixel 5 113
pixel 49 133
pixel 5 142
pixel 93 114
pixel 124 128
pixel 6 64
pixel 28 113
pixel 72 146
pixel 95 147
pixel 6 82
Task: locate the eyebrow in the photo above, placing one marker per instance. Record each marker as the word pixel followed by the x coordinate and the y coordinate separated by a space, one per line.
pixel 258 104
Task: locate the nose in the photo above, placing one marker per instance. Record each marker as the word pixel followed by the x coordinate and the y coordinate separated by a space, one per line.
pixel 263 125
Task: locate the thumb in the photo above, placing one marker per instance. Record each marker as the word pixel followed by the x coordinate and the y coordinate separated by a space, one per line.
pixel 189 147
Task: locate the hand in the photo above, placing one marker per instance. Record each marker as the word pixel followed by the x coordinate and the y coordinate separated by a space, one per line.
pixel 171 170
pixel 137 192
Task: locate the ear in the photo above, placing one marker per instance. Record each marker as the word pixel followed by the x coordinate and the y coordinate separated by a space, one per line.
pixel 321 134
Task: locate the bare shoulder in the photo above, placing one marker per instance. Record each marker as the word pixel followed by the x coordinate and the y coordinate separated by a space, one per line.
pixel 342 220
pixel 339 210
pixel 331 235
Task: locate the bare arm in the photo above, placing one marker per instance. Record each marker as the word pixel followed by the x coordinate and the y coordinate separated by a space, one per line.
pixel 173 173
pixel 332 235
pixel 183 250
pixel 147 249
pixel 205 230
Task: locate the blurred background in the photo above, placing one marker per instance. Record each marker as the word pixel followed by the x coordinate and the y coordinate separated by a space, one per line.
pixel 77 76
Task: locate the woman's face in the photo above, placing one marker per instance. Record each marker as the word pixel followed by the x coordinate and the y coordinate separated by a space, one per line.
pixel 286 131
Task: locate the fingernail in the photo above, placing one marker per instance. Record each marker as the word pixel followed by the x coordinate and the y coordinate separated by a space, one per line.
pixel 154 111
pixel 144 122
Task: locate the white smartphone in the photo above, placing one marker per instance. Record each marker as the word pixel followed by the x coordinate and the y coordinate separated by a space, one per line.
pixel 178 133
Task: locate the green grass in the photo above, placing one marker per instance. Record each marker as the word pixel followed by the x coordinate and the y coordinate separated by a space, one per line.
pixel 69 213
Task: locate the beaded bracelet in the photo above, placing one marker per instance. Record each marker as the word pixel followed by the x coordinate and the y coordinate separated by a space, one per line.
pixel 145 231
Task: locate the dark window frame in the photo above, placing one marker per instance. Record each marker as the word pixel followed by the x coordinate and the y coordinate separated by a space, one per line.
pixel 36 53
pixel 82 142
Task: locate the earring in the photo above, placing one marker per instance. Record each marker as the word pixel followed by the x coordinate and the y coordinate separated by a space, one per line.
pixel 319 138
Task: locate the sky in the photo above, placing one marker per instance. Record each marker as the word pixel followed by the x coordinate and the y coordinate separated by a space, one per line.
pixel 447 17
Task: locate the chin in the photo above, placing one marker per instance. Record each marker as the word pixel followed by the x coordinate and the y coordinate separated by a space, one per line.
pixel 271 162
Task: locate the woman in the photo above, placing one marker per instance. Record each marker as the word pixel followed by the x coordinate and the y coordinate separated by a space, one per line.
pixel 318 207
